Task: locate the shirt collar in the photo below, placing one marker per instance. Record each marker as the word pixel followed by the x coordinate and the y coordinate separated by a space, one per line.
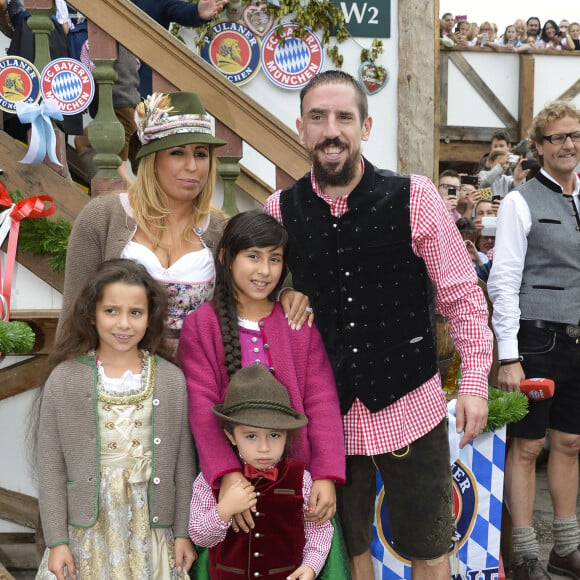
pixel 546 179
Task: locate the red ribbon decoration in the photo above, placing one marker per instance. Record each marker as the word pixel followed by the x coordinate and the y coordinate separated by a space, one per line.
pixel 30 207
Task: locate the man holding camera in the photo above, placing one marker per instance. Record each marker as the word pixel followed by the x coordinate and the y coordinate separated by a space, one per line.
pixel 534 286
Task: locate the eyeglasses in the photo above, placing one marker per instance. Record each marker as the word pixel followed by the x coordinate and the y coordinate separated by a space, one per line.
pixel 447 185
pixel 560 138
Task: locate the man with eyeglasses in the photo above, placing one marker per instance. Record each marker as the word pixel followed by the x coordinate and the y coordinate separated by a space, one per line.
pixel 534 285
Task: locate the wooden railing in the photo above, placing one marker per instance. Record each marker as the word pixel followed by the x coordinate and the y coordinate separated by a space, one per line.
pixel 538 76
pixel 238 117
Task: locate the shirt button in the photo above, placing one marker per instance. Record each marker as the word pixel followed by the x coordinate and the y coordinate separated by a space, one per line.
pixel 257 535
pixel 261 324
pixel 256 574
pixel 157 440
pixel 155 519
pixel 257 514
pixel 355 350
pixel 257 494
pixel 352 324
pixel 256 349
pixel 256 554
pixel 266 346
pixel 156 481
pixel 254 339
pixel 349 299
pixel 156 402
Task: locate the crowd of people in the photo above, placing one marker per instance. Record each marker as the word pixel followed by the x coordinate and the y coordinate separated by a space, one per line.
pixel 520 36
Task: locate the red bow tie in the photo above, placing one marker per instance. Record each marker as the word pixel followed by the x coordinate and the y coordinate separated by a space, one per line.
pixel 252 473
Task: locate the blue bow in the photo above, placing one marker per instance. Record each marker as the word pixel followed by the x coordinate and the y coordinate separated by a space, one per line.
pixel 42 137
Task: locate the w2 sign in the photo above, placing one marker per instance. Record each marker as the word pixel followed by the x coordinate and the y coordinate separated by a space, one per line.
pixel 366 18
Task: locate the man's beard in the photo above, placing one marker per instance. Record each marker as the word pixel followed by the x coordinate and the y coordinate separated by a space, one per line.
pixel 331 173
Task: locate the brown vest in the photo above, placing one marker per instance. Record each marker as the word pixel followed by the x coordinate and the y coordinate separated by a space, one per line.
pixel 274 548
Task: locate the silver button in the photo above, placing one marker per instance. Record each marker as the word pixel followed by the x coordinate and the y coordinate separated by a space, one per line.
pixel 156 481
pixel 355 350
pixel 155 519
pixel 256 574
pixel 257 514
pixel 157 440
pixel 254 339
pixel 256 349
pixel 156 402
pixel 257 494
pixel 347 273
pixel 266 346
pixel 349 299
pixel 257 535
pixel 352 324
pixel 256 554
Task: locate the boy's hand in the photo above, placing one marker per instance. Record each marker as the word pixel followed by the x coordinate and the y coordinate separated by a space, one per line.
pixel 302 573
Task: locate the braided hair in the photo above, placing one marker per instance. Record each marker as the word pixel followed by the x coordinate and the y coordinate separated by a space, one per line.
pixel 245 230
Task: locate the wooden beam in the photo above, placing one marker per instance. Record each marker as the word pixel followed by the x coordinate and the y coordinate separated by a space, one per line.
pixel 18 508
pixel 483 89
pixel 416 86
pixel 253 185
pixel 17 538
pixel 22 376
pixel 4 574
pixel 570 93
pixel 462 151
pixel 188 72
pixel 482 134
pixel 527 66
pixel 43 323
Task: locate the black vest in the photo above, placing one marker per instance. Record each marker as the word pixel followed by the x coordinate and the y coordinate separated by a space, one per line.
pixel 372 298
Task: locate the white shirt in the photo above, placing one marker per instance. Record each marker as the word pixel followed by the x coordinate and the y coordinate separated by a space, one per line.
pixel 514 222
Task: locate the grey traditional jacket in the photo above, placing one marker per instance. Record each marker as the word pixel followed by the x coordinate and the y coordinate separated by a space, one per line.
pixel 69 447
pixel 101 232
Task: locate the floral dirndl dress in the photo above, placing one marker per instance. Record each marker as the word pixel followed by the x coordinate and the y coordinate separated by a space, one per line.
pixel 122 545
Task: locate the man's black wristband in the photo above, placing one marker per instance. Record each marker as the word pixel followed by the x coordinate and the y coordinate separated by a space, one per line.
pixel 511 361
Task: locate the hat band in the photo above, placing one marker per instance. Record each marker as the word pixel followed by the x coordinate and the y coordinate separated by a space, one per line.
pixel 177 124
pixel 260 404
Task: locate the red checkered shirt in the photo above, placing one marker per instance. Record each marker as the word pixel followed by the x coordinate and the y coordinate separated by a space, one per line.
pixel 437 241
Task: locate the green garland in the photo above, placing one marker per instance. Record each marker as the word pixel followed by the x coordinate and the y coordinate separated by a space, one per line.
pixel 16 337
pixel 504 408
pixel 44 237
pixel 320 15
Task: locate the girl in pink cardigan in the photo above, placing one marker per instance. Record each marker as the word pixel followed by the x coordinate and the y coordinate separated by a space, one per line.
pixel 244 325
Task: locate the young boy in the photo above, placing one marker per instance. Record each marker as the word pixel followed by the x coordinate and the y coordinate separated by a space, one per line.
pixel 258 420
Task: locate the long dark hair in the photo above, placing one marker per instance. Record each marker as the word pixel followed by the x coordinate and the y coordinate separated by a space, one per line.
pixel 245 230
pixel 543 34
pixel 79 334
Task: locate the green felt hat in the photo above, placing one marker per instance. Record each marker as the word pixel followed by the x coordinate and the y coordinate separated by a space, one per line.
pixel 167 120
pixel 254 397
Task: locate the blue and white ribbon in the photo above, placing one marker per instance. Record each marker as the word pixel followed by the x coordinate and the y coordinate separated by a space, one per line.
pixel 42 137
